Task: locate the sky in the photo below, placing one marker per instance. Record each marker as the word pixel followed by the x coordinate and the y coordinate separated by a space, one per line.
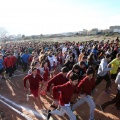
pixel 35 17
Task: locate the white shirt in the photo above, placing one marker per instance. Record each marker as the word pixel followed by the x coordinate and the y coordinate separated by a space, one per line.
pixel 51 59
pixel 80 47
pixel 118 81
pixel 64 49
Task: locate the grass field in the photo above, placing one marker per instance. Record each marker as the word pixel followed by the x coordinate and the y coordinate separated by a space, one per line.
pixel 80 38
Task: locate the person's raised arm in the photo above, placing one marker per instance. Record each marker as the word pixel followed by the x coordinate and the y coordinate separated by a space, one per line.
pixel 57 89
pixel 104 68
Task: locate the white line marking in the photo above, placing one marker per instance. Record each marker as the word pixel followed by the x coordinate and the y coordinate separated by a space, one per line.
pixel 18 71
pixel 33 112
pixel 19 75
pixel 20 113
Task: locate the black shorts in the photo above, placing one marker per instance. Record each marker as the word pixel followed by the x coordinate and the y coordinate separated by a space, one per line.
pixel 1 70
pixel 113 76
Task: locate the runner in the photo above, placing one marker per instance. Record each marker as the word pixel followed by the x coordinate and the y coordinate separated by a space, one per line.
pixel 34 81
pixel 103 73
pixel 25 57
pixel 8 65
pixel 114 64
pixel 45 73
pixel 85 88
pixel 64 98
pixel 2 67
pixel 59 79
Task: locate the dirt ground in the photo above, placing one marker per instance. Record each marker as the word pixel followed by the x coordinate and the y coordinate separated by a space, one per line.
pixel 13 90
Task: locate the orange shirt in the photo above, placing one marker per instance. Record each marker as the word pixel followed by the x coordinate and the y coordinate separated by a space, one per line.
pixel 80 57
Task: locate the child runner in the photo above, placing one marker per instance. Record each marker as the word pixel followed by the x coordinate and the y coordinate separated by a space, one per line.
pixel 14 60
pixel 59 79
pixel 114 64
pixel 59 59
pixel 103 73
pixel 36 65
pixel 75 69
pixel 85 88
pixel 82 54
pixel 55 64
pixel 34 81
pixel 64 98
pixel 45 73
pixel 2 66
pixel 25 57
pixel 8 65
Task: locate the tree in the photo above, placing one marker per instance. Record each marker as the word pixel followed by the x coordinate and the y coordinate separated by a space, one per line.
pixel 3 34
pixel 23 36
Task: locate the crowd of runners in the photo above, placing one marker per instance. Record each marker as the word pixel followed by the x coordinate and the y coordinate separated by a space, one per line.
pixel 64 70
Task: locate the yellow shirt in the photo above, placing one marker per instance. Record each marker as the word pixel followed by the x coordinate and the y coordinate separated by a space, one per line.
pixel 114 64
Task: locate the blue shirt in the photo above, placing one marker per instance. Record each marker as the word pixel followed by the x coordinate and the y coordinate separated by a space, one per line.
pixel 1 63
pixel 25 57
pixel 94 51
pixel 3 52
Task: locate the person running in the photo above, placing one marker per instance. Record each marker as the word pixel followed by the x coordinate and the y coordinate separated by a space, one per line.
pixel 8 65
pixel 25 57
pixel 59 59
pixel 69 63
pixel 116 99
pixel 14 60
pixel 36 65
pixel 75 69
pixel 2 67
pixel 103 73
pixel 34 81
pixel 85 88
pixel 82 70
pixel 58 79
pixel 64 97
pixel 114 64
pixel 51 60
pixel 45 73
pixel 82 54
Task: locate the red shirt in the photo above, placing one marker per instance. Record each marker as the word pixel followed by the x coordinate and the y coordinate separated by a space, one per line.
pixel 48 63
pixel 59 59
pixel 13 59
pixel 8 62
pixel 59 79
pixel 86 86
pixel 30 58
pixel 33 81
pixel 46 74
pixel 66 92
pixel 38 71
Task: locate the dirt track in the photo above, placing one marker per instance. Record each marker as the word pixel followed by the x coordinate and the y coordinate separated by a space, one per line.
pixel 13 90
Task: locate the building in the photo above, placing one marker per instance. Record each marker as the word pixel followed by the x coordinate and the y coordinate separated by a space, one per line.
pixel 114 29
pixel 19 37
pixel 94 31
pixel 12 37
pixel 84 32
